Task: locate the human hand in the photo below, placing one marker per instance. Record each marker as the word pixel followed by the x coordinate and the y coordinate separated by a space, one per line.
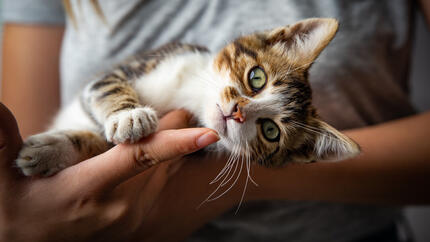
pixel 103 198
pixel 177 214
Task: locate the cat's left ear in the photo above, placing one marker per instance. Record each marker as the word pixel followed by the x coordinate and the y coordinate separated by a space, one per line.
pixel 303 41
pixel 332 145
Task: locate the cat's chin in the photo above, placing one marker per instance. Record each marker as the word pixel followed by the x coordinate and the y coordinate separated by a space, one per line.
pixel 225 143
pixel 216 121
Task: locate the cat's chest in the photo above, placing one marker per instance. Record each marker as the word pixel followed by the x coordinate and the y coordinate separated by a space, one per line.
pixel 175 83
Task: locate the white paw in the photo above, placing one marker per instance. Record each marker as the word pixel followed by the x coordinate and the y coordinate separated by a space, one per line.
pixel 45 154
pixel 130 126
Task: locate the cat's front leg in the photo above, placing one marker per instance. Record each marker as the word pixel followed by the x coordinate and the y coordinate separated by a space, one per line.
pixel 129 126
pixel 114 104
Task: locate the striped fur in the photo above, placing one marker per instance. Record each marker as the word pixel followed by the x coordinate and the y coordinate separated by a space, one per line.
pixel 123 106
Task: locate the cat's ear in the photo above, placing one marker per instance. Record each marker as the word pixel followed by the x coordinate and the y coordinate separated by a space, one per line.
pixel 332 145
pixel 303 41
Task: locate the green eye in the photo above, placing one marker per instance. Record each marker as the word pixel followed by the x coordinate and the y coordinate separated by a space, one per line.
pixel 257 78
pixel 270 130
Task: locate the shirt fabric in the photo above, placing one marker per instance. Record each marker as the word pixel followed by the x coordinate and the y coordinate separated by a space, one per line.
pixel 360 79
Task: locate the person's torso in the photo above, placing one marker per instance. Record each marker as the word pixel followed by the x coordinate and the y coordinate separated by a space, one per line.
pixel 359 80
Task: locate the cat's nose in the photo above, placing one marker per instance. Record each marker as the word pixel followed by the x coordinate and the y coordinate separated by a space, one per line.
pixel 237 114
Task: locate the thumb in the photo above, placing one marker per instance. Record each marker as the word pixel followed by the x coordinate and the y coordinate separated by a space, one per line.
pixel 124 161
pixel 10 140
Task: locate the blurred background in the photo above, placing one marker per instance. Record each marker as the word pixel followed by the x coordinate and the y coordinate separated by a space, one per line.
pixel 418 217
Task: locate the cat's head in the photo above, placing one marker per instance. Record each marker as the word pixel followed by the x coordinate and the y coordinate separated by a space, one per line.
pixel 264 97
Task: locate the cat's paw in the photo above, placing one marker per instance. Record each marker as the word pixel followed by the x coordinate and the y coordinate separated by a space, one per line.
pixel 45 154
pixel 130 126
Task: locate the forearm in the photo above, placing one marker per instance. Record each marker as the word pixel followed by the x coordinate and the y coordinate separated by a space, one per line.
pixel 394 168
pixel 30 76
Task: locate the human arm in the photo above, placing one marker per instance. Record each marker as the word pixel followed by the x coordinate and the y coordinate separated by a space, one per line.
pixel 100 199
pixel 392 170
pixel 30 74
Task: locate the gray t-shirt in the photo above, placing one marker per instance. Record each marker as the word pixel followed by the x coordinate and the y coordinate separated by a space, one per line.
pixel 360 79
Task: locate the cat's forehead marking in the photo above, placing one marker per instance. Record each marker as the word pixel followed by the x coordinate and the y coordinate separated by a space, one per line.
pixel 228 61
pixel 242 49
pixel 229 93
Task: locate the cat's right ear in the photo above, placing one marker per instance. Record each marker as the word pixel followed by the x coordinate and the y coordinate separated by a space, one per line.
pixel 303 41
pixel 332 145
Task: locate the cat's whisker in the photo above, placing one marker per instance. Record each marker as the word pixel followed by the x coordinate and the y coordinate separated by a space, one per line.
pixel 151 55
pixel 291 68
pixel 236 156
pixel 205 82
pixel 244 189
pixel 210 197
pixel 311 130
pixel 226 167
pixel 248 160
pixel 221 174
pixel 301 66
pixel 226 170
pixel 248 177
pixel 318 131
pixel 207 79
pixel 223 183
pixel 227 178
pixel 231 186
pixel 227 164
pixel 315 129
pixel 233 157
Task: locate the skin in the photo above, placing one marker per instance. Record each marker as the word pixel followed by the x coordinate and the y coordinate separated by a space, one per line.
pixel 32 53
pixel 103 198
pixel 393 169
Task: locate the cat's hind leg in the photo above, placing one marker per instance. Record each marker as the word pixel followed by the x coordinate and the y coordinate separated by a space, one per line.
pixel 47 153
pixel 72 138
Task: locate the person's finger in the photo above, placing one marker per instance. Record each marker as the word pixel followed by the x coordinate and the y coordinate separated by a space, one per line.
pixel 10 142
pixel 122 162
pixel 177 119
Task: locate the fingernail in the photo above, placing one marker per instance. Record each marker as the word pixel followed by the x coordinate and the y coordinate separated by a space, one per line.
pixel 207 139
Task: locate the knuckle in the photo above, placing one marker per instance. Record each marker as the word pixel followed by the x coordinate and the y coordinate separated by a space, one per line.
pixel 144 159
pixel 80 209
pixel 122 213
pixel 117 211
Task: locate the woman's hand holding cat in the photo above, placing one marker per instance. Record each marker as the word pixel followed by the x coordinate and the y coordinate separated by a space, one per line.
pixel 106 197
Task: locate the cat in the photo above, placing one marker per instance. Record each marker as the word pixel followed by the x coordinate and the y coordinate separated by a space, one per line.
pixel 254 92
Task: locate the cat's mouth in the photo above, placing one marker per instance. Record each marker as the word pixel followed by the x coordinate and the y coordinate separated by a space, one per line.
pixel 220 122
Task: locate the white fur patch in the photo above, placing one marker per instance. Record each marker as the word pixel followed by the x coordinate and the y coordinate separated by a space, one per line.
pixel 129 126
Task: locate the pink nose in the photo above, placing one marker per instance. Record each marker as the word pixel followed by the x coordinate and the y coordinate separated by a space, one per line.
pixel 237 115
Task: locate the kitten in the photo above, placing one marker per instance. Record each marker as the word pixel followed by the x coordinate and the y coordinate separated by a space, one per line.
pixel 254 93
